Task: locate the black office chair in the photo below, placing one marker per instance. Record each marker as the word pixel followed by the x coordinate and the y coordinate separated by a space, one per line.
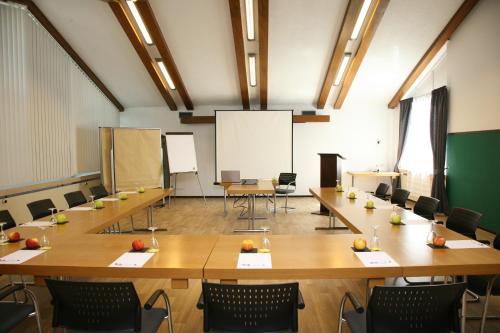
pixel 430 309
pixel 75 198
pixel 7 218
pixel 286 185
pixel 13 312
pixel 426 207
pixel 105 306
pixel 464 221
pixel 250 308
pixel 381 191
pixel 485 285
pixel 99 192
pixel 399 197
pixel 40 208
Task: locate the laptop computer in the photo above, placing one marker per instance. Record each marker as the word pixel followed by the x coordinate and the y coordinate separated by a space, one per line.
pixel 230 176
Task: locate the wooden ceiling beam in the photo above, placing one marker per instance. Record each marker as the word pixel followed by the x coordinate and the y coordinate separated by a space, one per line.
pixel 147 15
pixel 44 21
pixel 375 15
pixel 239 50
pixel 263 50
pixel 431 52
pixel 351 14
pixel 139 47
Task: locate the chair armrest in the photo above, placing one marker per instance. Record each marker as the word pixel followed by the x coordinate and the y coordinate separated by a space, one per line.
pixel 484 241
pixel 201 302
pixel 10 290
pixel 300 301
pixel 355 303
pixel 154 297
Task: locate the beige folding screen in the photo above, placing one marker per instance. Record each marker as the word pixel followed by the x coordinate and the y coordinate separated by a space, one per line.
pixel 137 158
pixel 106 141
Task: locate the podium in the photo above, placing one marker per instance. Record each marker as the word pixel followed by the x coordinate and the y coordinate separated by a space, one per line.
pixel 330 171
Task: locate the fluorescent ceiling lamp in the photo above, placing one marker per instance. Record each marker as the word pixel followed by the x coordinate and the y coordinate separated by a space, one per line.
pixel 140 23
pixel 164 71
pixel 343 67
pixel 249 17
pixel 251 65
pixel 361 19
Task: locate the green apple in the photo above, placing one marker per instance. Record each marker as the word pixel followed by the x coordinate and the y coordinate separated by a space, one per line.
pixel 123 196
pixel 352 195
pixel 60 218
pixel 370 204
pixel 141 189
pixel 339 188
pixel 396 218
pixel 99 204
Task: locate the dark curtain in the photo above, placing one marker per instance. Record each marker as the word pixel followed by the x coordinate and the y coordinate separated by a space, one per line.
pixel 404 116
pixel 439 132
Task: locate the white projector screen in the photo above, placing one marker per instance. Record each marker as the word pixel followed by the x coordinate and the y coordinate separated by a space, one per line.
pixel 258 143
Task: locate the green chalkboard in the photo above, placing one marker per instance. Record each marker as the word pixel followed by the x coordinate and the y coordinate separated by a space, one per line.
pixel 474 174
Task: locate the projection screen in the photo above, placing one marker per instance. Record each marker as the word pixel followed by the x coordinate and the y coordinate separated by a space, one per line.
pixel 258 143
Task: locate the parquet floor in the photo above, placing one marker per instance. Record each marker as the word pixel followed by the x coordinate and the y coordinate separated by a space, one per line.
pixel 192 216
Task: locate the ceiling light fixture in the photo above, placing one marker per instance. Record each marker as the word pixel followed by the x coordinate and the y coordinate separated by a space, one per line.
pixel 249 17
pixel 361 19
pixel 343 67
pixel 164 71
pixel 252 69
pixel 140 23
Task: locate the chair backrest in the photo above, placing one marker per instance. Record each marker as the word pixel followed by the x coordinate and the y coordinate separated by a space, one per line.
pixel 430 309
pixel 8 219
pixel 250 308
pixel 399 197
pixel 40 208
pixel 75 198
pixel 382 189
pixel 99 192
pixel 95 306
pixel 286 178
pixel 426 207
pixel 464 221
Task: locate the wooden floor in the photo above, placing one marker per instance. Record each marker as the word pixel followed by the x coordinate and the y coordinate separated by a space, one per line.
pixel 191 216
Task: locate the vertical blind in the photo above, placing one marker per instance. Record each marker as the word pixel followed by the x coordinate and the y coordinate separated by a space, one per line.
pixel 50 110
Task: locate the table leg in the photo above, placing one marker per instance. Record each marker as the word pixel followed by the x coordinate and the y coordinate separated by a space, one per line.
pixel 464 308
pixel 225 201
pixel 370 283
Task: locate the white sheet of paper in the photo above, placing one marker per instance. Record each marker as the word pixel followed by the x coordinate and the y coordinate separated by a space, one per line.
pixel 82 209
pixel 18 257
pixel 132 259
pixel 129 192
pixel 38 224
pixel 376 259
pixel 416 222
pixel 465 244
pixel 109 199
pixel 254 260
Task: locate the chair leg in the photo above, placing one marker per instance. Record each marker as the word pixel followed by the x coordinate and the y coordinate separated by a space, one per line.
pixel 32 296
pixel 286 203
pixel 341 313
pixel 486 301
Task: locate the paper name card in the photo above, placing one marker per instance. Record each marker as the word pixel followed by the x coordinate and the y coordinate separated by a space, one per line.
pixel 132 260
pixel 18 257
pixel 81 209
pixel 109 199
pixel 38 224
pixel 376 259
pixel 254 261
pixel 465 244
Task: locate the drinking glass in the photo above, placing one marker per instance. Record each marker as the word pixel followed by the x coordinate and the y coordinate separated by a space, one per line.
pixel 44 241
pixel 394 212
pixel 375 243
pixel 3 237
pixel 431 234
pixel 266 243
pixel 52 215
pixel 92 201
pixel 155 246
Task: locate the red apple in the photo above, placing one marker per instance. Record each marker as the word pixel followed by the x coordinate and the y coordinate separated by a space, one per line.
pixel 137 245
pixel 32 243
pixel 14 236
pixel 247 245
pixel 439 241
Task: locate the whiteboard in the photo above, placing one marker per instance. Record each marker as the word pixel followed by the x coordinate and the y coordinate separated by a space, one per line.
pixel 181 152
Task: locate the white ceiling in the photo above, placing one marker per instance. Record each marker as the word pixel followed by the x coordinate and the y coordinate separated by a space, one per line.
pixel 302 36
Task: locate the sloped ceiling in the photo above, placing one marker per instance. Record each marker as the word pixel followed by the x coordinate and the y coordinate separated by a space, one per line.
pixel 302 36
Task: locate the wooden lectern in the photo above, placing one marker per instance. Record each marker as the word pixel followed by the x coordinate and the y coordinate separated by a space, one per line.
pixel 330 171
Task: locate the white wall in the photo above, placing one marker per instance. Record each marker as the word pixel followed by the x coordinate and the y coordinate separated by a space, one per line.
pixel 474 70
pixel 352 132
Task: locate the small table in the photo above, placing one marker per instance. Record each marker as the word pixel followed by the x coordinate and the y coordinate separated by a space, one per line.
pixel 390 174
pixel 265 187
